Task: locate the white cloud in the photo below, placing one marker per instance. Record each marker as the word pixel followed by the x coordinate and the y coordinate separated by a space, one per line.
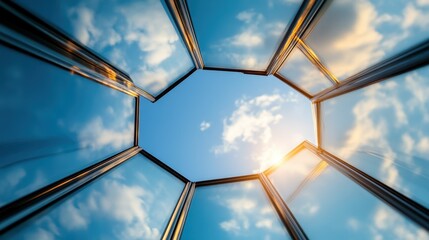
pixel 423 2
pixel 407 143
pixel 230 226
pixel 264 223
pixel 96 135
pixel 357 22
pixel 241 205
pixel 84 28
pixel 247 39
pixel 423 145
pixel 389 223
pixel 251 122
pixel 204 126
pixel 415 17
pixel 73 218
pixel 353 223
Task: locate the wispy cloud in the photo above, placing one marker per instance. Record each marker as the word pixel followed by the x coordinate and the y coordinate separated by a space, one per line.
pixel 204 126
pixel 144 39
pixel 250 122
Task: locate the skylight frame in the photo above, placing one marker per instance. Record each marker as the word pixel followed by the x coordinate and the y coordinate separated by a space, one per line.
pixel 54 53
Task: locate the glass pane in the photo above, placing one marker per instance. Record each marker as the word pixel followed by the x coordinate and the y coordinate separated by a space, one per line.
pixel 332 206
pixel 383 129
pixel 137 36
pixel 300 71
pixel 223 124
pixel 241 34
pixel 288 176
pixel 353 35
pixel 233 211
pixel 133 201
pixel 54 123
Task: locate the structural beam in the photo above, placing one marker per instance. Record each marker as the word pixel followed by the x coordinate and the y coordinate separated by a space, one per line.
pixel 408 207
pixel 180 12
pixel 290 222
pixel 403 62
pixel 306 14
pixel 27 33
pixel 177 232
pixel 25 207
pixel 168 232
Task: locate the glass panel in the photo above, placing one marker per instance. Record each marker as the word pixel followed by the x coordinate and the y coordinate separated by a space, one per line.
pixel 288 176
pixel 300 71
pixel 232 211
pixel 133 201
pixel 353 35
pixel 383 129
pixel 136 35
pixel 332 206
pixel 225 124
pixel 54 123
pixel 241 34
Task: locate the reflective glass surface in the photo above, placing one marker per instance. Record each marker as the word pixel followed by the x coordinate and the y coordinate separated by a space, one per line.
pixel 54 123
pixel 331 206
pixel 221 124
pixel 233 211
pixel 133 201
pixel 353 35
pixel 291 174
pixel 137 36
pixel 241 34
pixel 300 71
pixel 383 129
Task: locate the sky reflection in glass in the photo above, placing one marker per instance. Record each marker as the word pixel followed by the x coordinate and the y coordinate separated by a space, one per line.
pixel 133 201
pixel 136 36
pixel 222 124
pixel 241 34
pixel 353 35
pixel 54 123
pixel 300 71
pixel 233 211
pixel 383 129
pixel 332 206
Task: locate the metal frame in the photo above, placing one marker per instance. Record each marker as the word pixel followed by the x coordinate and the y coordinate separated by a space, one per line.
pixel 177 232
pixel 227 180
pixel 293 85
pixel 28 33
pixel 405 61
pixel 285 214
pixel 164 166
pixel 317 123
pixel 408 207
pixel 180 13
pixel 311 55
pixel 172 223
pixel 18 211
pixel 172 86
pixel 136 121
pixel 304 17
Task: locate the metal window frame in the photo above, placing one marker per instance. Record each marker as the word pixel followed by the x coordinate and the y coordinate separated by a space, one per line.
pixel 404 205
pixel 27 33
pixel 407 60
pixel 22 209
pixel 285 214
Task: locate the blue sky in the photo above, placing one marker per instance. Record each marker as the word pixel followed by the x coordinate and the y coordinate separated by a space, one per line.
pixel 241 34
pixel 55 123
pixel 339 206
pixel 222 124
pixel 217 124
pixel 383 129
pixel 136 36
pixel 366 32
pixel 125 203
pixel 233 211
